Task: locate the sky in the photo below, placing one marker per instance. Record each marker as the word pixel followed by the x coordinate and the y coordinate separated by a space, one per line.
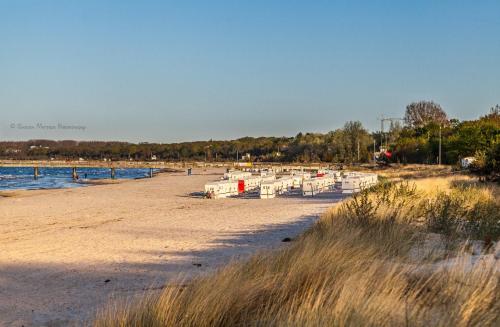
pixel 171 71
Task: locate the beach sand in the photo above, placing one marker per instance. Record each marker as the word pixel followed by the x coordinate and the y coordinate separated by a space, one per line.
pixel 66 253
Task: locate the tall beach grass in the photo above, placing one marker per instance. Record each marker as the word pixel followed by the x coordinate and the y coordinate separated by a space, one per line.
pixel 399 254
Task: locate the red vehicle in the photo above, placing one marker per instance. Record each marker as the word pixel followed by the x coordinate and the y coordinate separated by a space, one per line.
pixel 384 157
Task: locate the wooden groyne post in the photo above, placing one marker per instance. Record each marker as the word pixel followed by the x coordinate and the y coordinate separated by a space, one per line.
pixel 35 173
pixel 113 173
pixel 73 173
pixel 150 172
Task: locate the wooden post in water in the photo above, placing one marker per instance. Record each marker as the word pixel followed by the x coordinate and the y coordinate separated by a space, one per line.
pixel 73 173
pixel 35 173
pixel 113 173
pixel 150 172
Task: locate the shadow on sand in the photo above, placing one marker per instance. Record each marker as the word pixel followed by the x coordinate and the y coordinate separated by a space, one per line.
pixel 67 295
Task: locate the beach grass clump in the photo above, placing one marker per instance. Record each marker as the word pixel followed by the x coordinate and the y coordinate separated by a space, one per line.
pixel 456 208
pixel 464 211
pixel 355 267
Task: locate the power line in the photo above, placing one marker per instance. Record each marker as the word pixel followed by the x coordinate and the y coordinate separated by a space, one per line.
pixel 382 121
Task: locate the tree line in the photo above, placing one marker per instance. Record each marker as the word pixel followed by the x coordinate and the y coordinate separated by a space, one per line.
pixel 340 145
pixel 426 125
pixel 419 140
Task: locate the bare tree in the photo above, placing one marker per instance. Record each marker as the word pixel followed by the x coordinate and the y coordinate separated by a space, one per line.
pixel 421 113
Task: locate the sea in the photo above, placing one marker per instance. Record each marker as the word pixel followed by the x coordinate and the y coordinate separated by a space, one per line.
pixel 22 178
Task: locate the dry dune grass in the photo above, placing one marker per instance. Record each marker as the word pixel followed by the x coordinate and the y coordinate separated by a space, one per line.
pixel 414 171
pixel 432 185
pixel 356 267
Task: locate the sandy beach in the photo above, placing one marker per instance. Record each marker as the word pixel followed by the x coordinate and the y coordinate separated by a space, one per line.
pixel 65 253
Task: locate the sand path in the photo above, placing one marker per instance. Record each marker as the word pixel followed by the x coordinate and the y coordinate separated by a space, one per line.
pixel 64 253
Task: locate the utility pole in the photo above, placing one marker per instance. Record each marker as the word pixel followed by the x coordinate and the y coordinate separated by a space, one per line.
pixel 358 150
pixel 374 150
pixel 439 160
pixel 237 156
pixel 382 130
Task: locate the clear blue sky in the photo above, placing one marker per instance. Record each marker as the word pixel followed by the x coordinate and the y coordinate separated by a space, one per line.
pixel 186 70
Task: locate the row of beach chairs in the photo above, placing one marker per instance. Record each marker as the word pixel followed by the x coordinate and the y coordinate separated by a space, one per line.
pixel 237 182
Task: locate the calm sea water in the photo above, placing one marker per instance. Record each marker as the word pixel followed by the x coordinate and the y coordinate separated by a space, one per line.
pixel 21 178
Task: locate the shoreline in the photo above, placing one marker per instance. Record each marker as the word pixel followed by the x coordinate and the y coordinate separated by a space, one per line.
pixel 66 252
pixel 20 192
pixel 82 183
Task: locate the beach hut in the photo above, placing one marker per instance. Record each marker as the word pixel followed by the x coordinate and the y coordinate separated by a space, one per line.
pixel 266 171
pixel 283 185
pixel 355 182
pixel 235 175
pixel 267 190
pixel 351 184
pixel 268 178
pixel 251 183
pixel 329 181
pixel 299 177
pixel 310 187
pixel 241 186
pixel 337 175
pixel 287 183
pixel 221 189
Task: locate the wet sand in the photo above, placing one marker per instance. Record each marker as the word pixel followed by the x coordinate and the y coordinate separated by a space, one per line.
pixel 65 253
